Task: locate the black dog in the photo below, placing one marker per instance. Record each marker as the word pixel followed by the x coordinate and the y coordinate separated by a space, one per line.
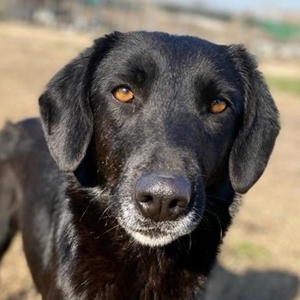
pixel 153 137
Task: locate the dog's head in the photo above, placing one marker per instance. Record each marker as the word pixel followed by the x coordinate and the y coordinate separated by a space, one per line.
pixel 169 125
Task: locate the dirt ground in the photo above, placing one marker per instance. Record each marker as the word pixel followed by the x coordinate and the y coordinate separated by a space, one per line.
pixel 260 258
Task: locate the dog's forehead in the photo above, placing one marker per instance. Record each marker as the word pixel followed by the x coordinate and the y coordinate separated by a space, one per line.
pixel 170 44
pixel 171 53
pixel 164 46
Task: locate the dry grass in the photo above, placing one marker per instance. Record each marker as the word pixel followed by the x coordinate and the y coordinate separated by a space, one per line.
pixel 260 257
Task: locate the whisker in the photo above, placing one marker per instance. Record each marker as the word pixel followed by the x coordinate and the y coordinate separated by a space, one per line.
pixel 218 198
pixel 105 210
pixel 107 231
pixel 219 222
pixel 160 256
pixel 85 211
pixel 190 242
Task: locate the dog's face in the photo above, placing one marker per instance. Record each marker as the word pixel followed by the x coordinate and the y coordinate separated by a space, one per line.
pixel 169 125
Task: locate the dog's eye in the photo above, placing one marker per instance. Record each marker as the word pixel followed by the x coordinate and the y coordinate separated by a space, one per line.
pixel 123 94
pixel 217 106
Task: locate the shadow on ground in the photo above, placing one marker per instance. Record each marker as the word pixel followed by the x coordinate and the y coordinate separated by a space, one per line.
pixel 258 285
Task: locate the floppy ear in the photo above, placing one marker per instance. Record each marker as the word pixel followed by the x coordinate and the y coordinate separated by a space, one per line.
pixel 65 107
pixel 66 115
pixel 256 138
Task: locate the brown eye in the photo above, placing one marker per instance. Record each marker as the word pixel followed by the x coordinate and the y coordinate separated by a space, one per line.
pixel 123 94
pixel 218 106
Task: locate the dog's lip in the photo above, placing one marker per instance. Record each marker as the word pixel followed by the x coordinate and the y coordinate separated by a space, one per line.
pixel 165 228
pixel 152 238
pixel 149 230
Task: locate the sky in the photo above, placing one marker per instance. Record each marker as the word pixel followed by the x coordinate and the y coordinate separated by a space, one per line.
pixel 257 6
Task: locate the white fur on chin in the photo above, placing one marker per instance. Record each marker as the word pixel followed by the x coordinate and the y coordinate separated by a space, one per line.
pixel 146 240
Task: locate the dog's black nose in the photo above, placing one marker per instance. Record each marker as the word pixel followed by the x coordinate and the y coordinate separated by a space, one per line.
pixel 162 198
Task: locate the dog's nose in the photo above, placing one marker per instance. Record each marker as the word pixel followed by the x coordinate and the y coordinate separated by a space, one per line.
pixel 162 198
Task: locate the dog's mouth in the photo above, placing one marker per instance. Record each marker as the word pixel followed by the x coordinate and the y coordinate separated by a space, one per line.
pixel 162 234
pixel 152 238
pixel 158 234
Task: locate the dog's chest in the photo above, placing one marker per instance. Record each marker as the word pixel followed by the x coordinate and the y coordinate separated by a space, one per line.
pixel 127 276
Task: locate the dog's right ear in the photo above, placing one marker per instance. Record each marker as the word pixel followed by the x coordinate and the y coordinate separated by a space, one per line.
pixel 65 106
pixel 66 114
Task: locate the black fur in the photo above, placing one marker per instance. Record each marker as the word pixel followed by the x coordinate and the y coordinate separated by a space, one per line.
pixel 84 236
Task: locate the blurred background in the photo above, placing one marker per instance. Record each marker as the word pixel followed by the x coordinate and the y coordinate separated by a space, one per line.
pixel 260 258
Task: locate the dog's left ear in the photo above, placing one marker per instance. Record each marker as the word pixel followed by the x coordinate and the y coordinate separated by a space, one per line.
pixel 260 126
